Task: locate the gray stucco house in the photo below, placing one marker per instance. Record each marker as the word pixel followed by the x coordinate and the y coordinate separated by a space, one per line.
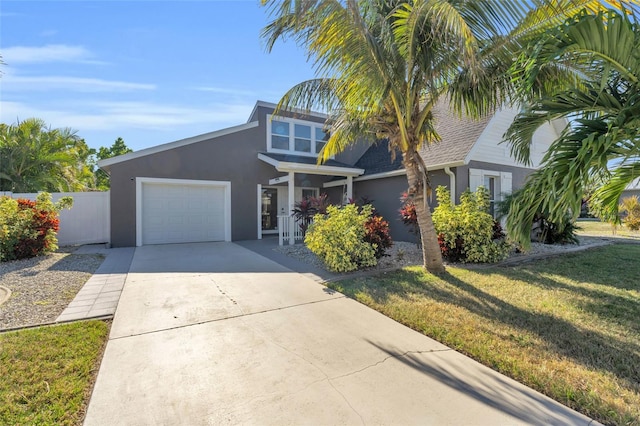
pixel 232 184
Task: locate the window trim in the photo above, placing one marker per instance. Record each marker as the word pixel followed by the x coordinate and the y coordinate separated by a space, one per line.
pixel 292 138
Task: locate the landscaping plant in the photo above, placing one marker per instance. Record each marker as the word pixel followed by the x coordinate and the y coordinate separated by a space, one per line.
pixel 28 228
pixel 544 230
pixel 338 238
pixel 631 206
pixel 305 209
pixel 466 232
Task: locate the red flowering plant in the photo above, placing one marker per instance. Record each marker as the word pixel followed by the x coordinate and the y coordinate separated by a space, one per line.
pixel 28 228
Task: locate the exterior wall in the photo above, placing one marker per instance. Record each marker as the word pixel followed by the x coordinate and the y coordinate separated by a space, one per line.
pixel 518 174
pixel 385 196
pixel 488 148
pixel 630 193
pixel 232 157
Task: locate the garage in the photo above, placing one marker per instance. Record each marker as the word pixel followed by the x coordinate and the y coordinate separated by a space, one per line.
pixel 182 211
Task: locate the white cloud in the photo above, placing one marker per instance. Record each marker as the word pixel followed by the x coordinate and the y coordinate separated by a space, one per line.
pixel 119 116
pixel 225 91
pixel 18 83
pixel 49 53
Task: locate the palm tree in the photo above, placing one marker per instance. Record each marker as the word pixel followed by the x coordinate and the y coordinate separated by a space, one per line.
pixel 382 65
pixel 35 158
pixel 603 142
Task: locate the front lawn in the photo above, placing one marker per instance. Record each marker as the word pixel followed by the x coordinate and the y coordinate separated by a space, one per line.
pixel 595 228
pixel 48 373
pixel 567 327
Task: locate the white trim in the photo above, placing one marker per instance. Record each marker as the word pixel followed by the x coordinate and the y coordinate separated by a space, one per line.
pixel 227 200
pixel 452 184
pixel 313 125
pixel 294 111
pixel 313 169
pixel 280 179
pixel 259 211
pixel 441 166
pixel 291 201
pixel 393 173
pixel 176 144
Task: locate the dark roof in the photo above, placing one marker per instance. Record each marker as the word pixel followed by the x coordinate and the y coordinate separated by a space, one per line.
pixel 301 159
pixel 377 159
pixel 458 135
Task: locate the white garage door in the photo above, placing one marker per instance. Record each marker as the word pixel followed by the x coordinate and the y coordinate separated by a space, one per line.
pixel 183 212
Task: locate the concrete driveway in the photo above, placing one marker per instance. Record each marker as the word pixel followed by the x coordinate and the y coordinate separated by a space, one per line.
pixel 213 333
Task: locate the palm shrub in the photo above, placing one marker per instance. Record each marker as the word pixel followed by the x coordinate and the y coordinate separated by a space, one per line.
pixel 631 206
pixel 466 231
pixel 28 228
pixel 543 229
pixel 338 238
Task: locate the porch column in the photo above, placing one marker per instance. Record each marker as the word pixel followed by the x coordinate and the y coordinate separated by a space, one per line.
pixel 349 188
pixel 292 223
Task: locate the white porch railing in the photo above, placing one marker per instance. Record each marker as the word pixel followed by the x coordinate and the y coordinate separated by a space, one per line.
pixel 283 229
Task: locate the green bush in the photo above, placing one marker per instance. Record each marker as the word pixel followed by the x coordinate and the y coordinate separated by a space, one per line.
pixel 631 206
pixel 542 229
pixel 466 231
pixel 338 238
pixel 29 228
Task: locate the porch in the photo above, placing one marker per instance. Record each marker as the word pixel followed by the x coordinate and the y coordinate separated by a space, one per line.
pixel 276 199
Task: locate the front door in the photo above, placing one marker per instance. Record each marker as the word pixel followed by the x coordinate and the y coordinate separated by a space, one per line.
pixel 269 210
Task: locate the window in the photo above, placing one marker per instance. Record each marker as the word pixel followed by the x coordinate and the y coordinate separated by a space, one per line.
pixel 321 139
pixel 280 135
pixel 303 138
pixel 295 136
pixel 497 183
pixel 490 185
pixel 309 193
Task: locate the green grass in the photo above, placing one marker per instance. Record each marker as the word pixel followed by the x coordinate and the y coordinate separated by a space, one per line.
pixel 568 327
pixel 594 228
pixel 47 373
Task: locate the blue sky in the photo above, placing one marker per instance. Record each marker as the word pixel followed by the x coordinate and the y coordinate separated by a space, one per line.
pixel 147 71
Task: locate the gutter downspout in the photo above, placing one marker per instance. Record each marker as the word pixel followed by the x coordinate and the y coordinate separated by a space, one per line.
pixel 452 184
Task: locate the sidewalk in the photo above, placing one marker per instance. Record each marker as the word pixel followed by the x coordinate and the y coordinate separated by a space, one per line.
pixel 100 294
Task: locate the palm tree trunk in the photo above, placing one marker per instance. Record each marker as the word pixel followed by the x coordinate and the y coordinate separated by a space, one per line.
pixel 432 257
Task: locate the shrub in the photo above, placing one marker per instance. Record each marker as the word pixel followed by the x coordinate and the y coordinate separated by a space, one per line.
pixel 377 229
pixel 408 214
pixel 377 234
pixel 466 232
pixel 338 238
pixel 543 230
pixel 28 228
pixel 631 206
pixel 305 209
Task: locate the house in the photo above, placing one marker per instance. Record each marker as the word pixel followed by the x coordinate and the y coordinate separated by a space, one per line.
pixel 232 184
pixel 633 189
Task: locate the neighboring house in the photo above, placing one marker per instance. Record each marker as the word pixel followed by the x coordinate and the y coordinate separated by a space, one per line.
pixel 232 184
pixel 632 189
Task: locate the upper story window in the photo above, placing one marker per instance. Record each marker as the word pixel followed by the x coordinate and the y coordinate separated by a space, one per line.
pixel 300 137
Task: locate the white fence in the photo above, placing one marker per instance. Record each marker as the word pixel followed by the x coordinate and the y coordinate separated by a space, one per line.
pixel 283 229
pixel 87 222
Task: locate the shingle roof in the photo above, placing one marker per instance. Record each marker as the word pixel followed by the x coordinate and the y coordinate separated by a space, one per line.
pixel 377 159
pixel 458 135
pixel 301 159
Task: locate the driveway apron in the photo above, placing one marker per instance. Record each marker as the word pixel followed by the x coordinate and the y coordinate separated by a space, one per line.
pixel 212 333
